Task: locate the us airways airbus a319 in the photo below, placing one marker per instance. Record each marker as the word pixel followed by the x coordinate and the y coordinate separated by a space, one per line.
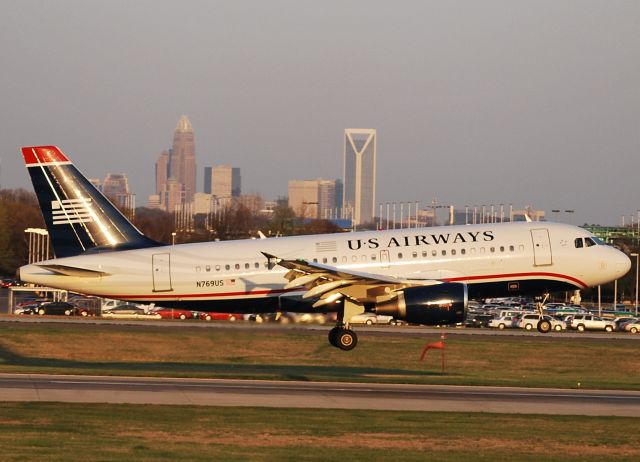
pixel 420 275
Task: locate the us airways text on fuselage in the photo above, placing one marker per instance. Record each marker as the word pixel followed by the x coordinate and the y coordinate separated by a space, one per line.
pixel 421 239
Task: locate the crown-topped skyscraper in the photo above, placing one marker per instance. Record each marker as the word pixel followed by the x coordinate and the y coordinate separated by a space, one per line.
pixel 182 161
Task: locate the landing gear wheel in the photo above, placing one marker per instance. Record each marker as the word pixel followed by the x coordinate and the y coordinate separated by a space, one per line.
pixel 544 326
pixel 333 333
pixel 346 339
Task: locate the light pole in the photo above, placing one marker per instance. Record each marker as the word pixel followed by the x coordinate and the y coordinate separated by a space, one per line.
pixel 637 267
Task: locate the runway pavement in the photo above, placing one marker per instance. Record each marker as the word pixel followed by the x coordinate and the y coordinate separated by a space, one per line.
pixel 215 392
pixel 404 330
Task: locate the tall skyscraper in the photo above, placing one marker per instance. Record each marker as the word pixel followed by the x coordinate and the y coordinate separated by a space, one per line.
pixel 359 175
pixel 207 180
pixel 162 172
pixel 182 161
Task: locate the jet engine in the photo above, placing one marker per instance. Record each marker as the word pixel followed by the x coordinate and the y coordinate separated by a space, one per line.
pixel 437 304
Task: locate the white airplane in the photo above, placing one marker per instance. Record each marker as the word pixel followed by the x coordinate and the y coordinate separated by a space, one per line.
pixel 421 275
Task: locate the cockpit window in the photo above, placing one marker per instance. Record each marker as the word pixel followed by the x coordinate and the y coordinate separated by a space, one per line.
pixel 587 242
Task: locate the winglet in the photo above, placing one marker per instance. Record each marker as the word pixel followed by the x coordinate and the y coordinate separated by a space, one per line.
pixel 272 260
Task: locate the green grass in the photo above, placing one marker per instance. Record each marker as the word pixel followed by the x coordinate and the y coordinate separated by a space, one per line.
pixel 63 432
pixel 263 353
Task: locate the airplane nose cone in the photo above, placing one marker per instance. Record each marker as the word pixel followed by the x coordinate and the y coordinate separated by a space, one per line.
pixel 623 264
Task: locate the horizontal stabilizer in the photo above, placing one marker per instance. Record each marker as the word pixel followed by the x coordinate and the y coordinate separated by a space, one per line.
pixel 64 270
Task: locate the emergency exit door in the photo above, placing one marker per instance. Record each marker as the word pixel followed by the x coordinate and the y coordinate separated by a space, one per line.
pixel 161 272
pixel 541 247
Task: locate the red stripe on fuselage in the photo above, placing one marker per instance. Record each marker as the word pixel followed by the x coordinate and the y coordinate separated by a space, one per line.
pixel 206 296
pixel 512 276
pixel 515 276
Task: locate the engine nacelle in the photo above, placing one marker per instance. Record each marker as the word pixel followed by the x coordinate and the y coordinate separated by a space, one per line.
pixel 437 304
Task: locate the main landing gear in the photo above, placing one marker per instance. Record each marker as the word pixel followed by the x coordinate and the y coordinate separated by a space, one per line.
pixel 342 337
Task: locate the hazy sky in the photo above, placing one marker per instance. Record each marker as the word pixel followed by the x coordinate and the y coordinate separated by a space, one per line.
pixel 475 102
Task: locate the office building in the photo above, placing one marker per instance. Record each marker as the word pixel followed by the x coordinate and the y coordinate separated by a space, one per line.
pixel 182 161
pixel 359 175
pixel 207 180
pixel 304 198
pixel 225 182
pixel 178 166
pixel 162 172
pixel 314 199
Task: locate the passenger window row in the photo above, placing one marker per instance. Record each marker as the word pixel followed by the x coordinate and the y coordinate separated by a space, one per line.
pixel 372 257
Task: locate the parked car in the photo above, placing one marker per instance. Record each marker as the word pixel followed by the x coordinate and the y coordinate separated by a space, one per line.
pixel 58 308
pixel 632 326
pixel 217 316
pixel 27 309
pixel 621 321
pixel 173 313
pixel 128 311
pixel 8 282
pixel 530 322
pixel 502 323
pixel 582 322
pixel 478 320
pixel 371 318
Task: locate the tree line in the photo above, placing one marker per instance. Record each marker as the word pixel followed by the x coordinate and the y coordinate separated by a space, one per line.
pixel 19 210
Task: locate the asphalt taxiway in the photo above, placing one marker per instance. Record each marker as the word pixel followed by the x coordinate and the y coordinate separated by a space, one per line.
pixel 332 395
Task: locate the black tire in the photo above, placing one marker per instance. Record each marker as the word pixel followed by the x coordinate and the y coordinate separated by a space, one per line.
pixel 544 326
pixel 41 312
pixel 558 328
pixel 346 339
pixel 183 317
pixel 528 327
pixel 580 327
pixel 207 317
pixel 501 326
pixel 633 330
pixel 333 333
pixel 369 322
pixel 608 328
pixel 232 318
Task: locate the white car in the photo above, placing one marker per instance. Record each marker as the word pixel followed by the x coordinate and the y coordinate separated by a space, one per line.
pixel 371 318
pixel 632 326
pixel 582 322
pixel 530 322
pixel 502 322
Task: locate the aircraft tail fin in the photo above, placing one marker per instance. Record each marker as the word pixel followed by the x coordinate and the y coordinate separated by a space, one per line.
pixel 79 218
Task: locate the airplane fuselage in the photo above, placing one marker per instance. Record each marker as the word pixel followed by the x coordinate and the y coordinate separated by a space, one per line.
pixel 492 259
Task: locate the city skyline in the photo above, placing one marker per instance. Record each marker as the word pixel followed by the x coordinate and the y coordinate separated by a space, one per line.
pixel 500 102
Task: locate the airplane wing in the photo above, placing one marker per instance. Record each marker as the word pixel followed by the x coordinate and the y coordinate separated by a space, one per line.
pixel 331 284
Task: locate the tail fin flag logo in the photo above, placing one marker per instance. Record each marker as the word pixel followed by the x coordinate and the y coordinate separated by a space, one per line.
pixel 70 211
